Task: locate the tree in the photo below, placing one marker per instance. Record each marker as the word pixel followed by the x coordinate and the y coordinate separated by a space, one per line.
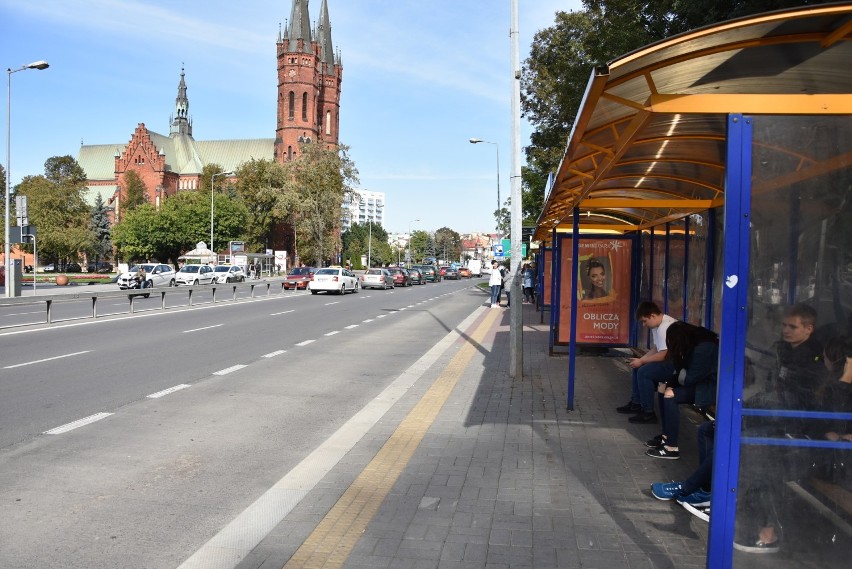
pixel 448 243
pixel 357 243
pixel 58 209
pixel 206 176
pixel 100 227
pixel 418 245
pixel 262 187
pixel 134 192
pixel 317 183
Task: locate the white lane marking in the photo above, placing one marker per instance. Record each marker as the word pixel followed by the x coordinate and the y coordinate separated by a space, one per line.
pixel 411 305
pixel 199 329
pixel 330 303
pixel 236 540
pixel 78 423
pixel 367 320
pixel 306 342
pixel 280 313
pixel 381 315
pixel 333 333
pixel 352 326
pixel 401 309
pixel 25 313
pixel 228 370
pixel 47 359
pixel 167 391
pixel 275 353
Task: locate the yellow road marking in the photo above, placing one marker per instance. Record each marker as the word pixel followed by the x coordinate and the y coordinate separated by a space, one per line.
pixel 335 536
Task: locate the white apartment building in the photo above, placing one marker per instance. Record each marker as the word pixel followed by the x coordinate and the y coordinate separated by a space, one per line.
pixel 368 206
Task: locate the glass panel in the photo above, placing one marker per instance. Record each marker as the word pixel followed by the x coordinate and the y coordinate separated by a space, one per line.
pixel 674 278
pixel 795 491
pixel 697 273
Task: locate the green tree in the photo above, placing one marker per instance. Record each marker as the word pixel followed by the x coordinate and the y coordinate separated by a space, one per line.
pixel 357 243
pixel 448 243
pixel 134 192
pixel 418 245
pixel 99 224
pixel 262 187
pixel 317 183
pixel 58 210
pixel 207 172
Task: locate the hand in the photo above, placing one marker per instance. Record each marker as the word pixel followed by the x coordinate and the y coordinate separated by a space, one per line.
pixel 847 437
pixel 635 363
pixel 669 393
pixel 661 388
pixel 832 436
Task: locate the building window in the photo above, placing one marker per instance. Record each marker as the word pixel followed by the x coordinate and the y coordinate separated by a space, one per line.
pixel 292 105
pixel 289 153
pixel 328 122
pixel 305 107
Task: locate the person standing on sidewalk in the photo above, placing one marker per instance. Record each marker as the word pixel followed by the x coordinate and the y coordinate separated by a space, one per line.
pixel 652 368
pixel 495 282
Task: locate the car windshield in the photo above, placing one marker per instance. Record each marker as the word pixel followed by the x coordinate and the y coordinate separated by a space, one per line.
pixel 301 271
pixel 148 268
pixel 222 269
pixel 190 268
pixel 374 272
pixel 328 271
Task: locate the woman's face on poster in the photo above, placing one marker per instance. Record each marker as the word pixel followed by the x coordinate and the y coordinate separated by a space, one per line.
pixel 597 276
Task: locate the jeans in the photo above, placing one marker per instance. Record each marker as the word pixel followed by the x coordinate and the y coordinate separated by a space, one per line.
pixel 703 475
pixel 645 380
pixel 495 294
pixel 670 412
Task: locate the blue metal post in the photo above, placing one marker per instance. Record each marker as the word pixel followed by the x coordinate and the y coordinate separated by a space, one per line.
pixel 685 269
pixel 732 342
pixel 555 264
pixel 666 267
pixel 572 345
pixel 710 271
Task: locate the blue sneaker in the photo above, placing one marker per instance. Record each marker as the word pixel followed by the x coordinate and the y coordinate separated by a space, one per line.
pixel 697 499
pixel 666 490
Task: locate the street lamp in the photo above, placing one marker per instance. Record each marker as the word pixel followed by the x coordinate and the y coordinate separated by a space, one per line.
pixel 7 265
pixel 370 241
pixel 497 147
pixel 212 178
pixel 408 254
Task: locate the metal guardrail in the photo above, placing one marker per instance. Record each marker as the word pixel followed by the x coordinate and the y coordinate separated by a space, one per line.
pixel 133 294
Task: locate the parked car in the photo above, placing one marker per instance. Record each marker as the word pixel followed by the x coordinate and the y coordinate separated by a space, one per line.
pixel 464 273
pixel 195 275
pixel 333 279
pixel 449 272
pixel 73 268
pixel 416 276
pixel 430 273
pixel 299 277
pixel 156 274
pixel 377 278
pixel 229 274
pixel 99 267
pixel 400 276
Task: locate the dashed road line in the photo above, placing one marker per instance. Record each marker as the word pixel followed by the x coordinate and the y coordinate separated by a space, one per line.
pixel 306 342
pixel 332 333
pixel 368 320
pixel 330 303
pixel 47 359
pixel 351 326
pixel 77 424
pixel 228 370
pixel 280 313
pixel 167 391
pixel 273 354
pixel 200 329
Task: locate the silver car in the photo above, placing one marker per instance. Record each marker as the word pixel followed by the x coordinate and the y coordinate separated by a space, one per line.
pixel 229 274
pixel 377 278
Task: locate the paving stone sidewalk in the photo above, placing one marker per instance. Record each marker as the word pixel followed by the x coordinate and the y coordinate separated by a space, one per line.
pixel 507 478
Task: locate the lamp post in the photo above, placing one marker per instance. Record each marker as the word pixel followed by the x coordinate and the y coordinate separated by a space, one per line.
pixel 212 178
pixel 370 240
pixel 7 265
pixel 497 147
pixel 408 254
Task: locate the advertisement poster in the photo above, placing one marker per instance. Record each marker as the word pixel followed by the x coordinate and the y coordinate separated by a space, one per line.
pixel 547 268
pixel 603 295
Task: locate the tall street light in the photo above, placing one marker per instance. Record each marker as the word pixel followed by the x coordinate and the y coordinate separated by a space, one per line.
pixel 7 262
pixel 408 254
pixel 370 241
pixel 497 147
pixel 212 178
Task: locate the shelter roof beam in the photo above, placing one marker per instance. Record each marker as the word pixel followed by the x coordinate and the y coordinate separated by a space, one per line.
pixel 768 104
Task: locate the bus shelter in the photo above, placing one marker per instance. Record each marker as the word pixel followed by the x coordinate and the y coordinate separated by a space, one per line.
pixel 722 158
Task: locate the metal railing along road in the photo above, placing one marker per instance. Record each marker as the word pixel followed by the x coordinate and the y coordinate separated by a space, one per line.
pixel 220 292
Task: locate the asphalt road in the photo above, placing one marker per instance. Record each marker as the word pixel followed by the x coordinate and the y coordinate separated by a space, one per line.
pixel 244 392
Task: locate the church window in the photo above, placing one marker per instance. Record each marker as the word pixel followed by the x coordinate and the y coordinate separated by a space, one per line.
pixel 304 107
pixel 289 153
pixel 328 122
pixel 292 105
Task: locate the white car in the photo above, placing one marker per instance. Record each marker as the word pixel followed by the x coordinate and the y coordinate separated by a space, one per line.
pixel 156 274
pixel 377 278
pixel 229 274
pixel 334 279
pixel 195 275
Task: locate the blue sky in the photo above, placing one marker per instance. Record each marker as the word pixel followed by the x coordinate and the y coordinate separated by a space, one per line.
pixel 419 79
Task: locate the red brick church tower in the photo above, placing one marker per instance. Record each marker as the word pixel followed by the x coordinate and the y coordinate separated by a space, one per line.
pixel 309 77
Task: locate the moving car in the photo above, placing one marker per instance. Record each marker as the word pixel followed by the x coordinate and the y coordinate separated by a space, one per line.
pixel 400 276
pixel 475 266
pixel 430 273
pixel 416 276
pixel 195 274
pixel 377 278
pixel 156 274
pixel 449 272
pixel 464 273
pixel 229 274
pixel 299 277
pixel 99 267
pixel 333 279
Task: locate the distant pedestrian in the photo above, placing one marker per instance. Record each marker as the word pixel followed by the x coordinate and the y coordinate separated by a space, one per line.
pixel 496 283
pixel 529 282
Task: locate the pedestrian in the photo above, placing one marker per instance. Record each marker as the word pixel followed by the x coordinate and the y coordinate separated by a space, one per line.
pixel 496 283
pixel 529 281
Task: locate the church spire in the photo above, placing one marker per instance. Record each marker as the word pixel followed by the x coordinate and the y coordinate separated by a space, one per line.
pixel 181 123
pixel 300 25
pixel 324 38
